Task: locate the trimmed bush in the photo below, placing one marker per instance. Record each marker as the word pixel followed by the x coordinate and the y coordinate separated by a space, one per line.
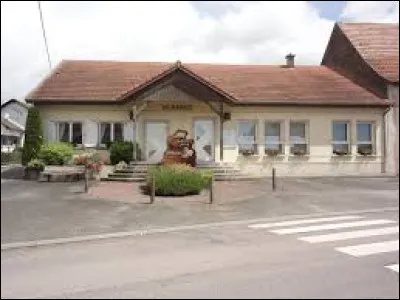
pixel 177 180
pixel 11 157
pixel 56 153
pixel 123 151
pixel 33 136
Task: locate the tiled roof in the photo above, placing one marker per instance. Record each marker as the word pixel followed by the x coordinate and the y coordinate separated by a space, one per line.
pixel 378 44
pixel 106 81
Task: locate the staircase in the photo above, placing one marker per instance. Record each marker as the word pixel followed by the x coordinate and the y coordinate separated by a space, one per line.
pixel 137 171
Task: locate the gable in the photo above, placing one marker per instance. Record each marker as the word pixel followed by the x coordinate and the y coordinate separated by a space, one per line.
pixel 341 56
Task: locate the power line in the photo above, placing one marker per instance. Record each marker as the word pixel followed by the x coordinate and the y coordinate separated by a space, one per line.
pixel 44 35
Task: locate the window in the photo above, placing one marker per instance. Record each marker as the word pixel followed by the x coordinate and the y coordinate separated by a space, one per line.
pixel 105 133
pixel 365 138
pixel 77 133
pixel 110 132
pixel 63 132
pixel 118 132
pixel 298 140
pixel 340 138
pixel 273 138
pixel 247 137
pixel 69 132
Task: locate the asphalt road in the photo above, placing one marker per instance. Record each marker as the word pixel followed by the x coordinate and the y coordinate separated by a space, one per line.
pixel 234 261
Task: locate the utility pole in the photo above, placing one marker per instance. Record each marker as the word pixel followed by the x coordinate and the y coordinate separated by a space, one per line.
pixel 44 35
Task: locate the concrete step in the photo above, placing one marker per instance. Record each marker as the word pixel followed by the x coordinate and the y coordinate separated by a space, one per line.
pixel 128 170
pixel 128 179
pixel 126 175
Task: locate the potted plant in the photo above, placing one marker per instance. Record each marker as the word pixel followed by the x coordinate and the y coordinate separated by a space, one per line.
pixel 247 152
pixel 340 152
pixel 299 151
pixel 33 169
pixel 272 152
pixel 92 163
pixel 365 151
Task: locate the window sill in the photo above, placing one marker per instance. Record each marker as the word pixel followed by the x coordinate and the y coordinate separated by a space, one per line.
pixel 272 156
pixel 343 155
pixel 299 156
pixel 366 156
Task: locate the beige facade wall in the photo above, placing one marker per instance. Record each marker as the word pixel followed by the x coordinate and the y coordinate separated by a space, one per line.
pixel 392 132
pixel 319 162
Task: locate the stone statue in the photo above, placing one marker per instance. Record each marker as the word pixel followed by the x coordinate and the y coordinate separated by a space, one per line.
pixel 180 149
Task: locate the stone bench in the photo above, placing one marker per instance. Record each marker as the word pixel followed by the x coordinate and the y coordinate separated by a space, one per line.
pixel 67 173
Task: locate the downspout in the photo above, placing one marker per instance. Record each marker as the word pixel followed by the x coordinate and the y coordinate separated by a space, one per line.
pixel 383 168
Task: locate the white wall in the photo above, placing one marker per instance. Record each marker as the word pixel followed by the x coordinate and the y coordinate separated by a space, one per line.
pixel 392 132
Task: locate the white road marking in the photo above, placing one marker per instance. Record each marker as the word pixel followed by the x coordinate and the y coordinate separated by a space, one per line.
pixel 349 235
pixel 372 248
pixel 307 221
pixel 330 226
pixel 394 267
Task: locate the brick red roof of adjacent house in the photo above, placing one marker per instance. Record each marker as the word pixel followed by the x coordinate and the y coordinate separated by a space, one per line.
pixel 378 45
pixel 108 81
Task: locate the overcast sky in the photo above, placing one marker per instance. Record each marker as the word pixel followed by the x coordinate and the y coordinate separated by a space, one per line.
pixel 218 31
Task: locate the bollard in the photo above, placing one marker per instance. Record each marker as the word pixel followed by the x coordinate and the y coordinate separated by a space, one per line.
pixel 152 189
pixel 86 180
pixel 211 188
pixel 273 179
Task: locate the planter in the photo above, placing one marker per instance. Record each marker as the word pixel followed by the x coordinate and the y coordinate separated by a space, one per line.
pixel 364 152
pixel 272 152
pixel 299 152
pixel 32 174
pixel 340 152
pixel 247 152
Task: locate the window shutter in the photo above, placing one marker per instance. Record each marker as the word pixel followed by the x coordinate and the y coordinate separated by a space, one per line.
pixel 51 131
pixel 90 133
pixel 128 131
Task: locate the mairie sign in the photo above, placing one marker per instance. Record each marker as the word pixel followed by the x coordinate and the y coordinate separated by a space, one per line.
pixel 177 107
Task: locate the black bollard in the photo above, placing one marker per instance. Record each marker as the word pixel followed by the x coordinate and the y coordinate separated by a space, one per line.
pixel 273 179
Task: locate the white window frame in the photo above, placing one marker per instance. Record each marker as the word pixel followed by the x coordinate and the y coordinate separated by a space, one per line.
pixel 70 125
pixel 281 141
pixel 255 145
pixel 112 124
pixel 348 135
pixel 306 137
pixel 372 142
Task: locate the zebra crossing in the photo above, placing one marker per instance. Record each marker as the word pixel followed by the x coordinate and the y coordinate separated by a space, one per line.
pixel 342 228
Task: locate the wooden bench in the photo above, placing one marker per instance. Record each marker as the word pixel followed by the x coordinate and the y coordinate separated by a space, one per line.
pixel 75 174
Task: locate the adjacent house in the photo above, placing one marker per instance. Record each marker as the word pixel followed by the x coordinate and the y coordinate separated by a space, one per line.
pixel 368 54
pixel 13 119
pixel 302 120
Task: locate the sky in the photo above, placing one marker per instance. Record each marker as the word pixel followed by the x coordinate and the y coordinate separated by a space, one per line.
pixel 232 32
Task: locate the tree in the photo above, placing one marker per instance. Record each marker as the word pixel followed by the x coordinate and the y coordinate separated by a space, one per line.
pixel 33 136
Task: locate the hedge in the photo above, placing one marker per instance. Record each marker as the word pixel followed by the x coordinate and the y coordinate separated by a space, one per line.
pixel 56 153
pixel 176 180
pixel 123 151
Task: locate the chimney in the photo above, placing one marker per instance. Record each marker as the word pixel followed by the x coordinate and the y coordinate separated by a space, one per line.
pixel 290 60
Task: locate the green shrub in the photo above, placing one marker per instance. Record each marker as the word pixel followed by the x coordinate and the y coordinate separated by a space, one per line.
pixel 56 153
pixel 33 136
pixel 35 164
pixel 176 180
pixel 11 157
pixel 123 151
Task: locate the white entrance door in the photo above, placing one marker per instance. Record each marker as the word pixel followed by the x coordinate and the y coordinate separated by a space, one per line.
pixel 156 140
pixel 204 139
